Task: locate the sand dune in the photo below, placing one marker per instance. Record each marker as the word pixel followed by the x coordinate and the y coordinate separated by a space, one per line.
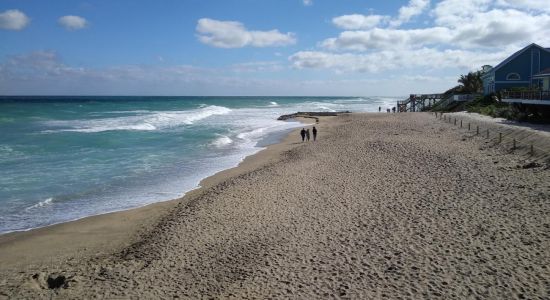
pixel 381 206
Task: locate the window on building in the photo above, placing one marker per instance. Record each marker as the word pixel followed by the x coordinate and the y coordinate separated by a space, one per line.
pixel 513 76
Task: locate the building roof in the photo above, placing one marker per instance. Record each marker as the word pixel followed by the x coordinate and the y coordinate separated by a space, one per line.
pixel 518 53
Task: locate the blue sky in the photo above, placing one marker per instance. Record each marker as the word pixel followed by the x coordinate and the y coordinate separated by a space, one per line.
pixel 257 47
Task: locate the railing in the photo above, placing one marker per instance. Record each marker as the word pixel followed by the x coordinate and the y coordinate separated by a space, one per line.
pixel 526 95
pixel 464 97
pixel 417 102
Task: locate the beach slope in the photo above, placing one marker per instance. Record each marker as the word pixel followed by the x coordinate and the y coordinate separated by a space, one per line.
pixel 381 206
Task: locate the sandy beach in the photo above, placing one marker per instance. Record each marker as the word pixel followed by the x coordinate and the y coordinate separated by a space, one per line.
pixel 382 206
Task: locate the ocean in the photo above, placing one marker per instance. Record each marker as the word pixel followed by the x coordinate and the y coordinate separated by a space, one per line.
pixel 65 158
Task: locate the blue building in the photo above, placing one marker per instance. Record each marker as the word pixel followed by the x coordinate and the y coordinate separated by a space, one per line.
pixel 526 68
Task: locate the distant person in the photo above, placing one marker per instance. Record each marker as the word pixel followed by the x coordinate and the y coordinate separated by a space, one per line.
pixel 393 109
pixel 388 110
pixel 303 134
pixel 307 134
pixel 379 108
pixel 314 130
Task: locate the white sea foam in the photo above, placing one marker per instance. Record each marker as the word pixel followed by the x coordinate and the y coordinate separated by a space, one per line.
pixel 5 148
pixel 43 203
pixel 246 130
pixel 326 108
pixel 145 122
pixel 222 141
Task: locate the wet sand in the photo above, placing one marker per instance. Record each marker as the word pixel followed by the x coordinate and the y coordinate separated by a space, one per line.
pixel 381 206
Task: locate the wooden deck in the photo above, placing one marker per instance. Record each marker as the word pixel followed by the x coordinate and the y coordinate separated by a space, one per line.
pixel 417 102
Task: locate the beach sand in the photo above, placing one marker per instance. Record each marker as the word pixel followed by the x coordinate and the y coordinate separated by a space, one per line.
pixel 381 206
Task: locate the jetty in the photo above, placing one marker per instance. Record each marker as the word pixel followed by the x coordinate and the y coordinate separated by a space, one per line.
pixel 312 114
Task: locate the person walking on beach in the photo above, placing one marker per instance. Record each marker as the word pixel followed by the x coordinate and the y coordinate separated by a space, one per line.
pixel 307 134
pixel 314 130
pixel 303 134
pixel 379 108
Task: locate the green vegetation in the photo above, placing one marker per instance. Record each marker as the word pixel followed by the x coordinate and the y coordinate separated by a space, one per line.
pixel 490 106
pixel 470 83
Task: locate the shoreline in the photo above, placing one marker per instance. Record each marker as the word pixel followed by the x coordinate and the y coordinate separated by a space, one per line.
pixel 403 206
pixel 118 229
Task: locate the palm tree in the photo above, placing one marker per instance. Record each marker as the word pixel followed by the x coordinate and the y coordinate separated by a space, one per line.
pixel 471 83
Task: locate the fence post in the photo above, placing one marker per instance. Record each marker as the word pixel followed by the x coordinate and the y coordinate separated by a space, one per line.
pixel 460 123
pixel 468 126
pixel 455 121
pixel 500 137
pixel 487 133
pixel 514 144
pixel 532 150
pixel 477 129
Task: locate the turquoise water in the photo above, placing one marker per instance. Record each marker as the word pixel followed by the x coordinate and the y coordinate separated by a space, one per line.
pixel 64 158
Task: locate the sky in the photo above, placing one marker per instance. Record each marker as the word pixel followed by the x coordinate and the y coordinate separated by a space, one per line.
pixel 258 47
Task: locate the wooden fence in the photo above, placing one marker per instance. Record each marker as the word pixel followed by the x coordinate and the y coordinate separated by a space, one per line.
pixel 511 139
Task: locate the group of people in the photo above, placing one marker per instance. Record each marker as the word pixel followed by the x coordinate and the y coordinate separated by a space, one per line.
pixel 387 110
pixel 305 134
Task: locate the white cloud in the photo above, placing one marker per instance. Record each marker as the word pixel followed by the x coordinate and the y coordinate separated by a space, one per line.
pixel 378 38
pixel 257 66
pixel 356 21
pixel 536 5
pixel 389 60
pixel 307 2
pixel 497 28
pixel 456 12
pixel 43 72
pixel 230 34
pixel 472 24
pixel 73 22
pixel 13 19
pixel 406 13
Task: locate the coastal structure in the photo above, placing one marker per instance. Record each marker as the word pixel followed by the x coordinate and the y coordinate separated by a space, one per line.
pixel 529 69
pixel 417 102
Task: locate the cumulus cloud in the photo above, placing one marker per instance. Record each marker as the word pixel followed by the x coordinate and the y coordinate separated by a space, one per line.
pixel 406 13
pixel 536 5
pixel 73 22
pixel 379 38
pixel 44 72
pixel 13 19
pixel 230 34
pixel 357 21
pixel 307 2
pixel 503 27
pixel 478 24
pixel 455 12
pixel 463 24
pixel 395 60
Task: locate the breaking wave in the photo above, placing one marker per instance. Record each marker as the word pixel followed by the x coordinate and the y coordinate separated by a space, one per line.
pixel 222 141
pixel 141 121
pixel 43 203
